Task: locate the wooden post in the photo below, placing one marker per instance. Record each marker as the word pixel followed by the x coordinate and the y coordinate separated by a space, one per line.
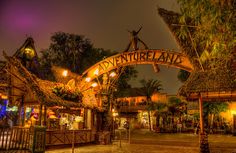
pixel 40 114
pixel 120 137
pixel 23 116
pixel 201 114
pixel 45 116
pixel 129 130
pixel 234 125
pixel 20 115
pixel 73 141
pixel 113 127
pixel 203 138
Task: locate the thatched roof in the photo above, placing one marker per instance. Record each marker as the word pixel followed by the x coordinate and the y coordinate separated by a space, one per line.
pixel 3 78
pixel 18 79
pixel 208 81
pixel 172 21
pixel 215 79
pixel 42 89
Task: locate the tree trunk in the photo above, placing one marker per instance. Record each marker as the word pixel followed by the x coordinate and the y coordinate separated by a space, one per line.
pixel 149 120
pixel 211 124
pixel 157 121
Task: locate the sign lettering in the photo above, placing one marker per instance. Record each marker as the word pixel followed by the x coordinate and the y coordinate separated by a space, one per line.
pixel 141 57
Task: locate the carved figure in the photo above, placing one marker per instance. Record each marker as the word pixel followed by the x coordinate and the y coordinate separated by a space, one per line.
pixel 134 40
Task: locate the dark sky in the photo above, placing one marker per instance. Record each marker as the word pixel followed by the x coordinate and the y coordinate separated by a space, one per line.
pixel 104 22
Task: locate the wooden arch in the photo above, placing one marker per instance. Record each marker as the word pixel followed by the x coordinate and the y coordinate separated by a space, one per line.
pixel 161 57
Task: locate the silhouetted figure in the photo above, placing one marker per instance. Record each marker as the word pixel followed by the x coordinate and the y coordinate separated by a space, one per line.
pixel 134 40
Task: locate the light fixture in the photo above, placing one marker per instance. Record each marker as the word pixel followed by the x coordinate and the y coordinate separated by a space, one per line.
pixel 112 74
pixel 96 72
pixel 88 79
pixel 65 73
pixel 95 84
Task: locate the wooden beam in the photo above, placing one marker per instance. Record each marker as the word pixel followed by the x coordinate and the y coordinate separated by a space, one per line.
pixel 19 88
pixel 206 96
pixel 15 96
pixel 15 76
pixel 3 85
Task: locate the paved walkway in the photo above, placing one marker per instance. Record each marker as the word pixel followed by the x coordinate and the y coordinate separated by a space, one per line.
pixel 140 148
pixel 146 142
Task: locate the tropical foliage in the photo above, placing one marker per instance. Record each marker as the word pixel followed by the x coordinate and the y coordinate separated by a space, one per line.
pixel 149 87
pixel 76 53
pixel 183 75
pixel 213 109
pixel 67 93
pixel 209 26
pixel 176 106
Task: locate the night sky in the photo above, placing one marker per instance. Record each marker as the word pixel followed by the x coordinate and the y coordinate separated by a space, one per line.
pixel 104 22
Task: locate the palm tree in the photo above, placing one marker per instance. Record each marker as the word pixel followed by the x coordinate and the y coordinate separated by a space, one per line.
pixel 149 88
pixel 213 109
pixel 159 107
pixel 176 107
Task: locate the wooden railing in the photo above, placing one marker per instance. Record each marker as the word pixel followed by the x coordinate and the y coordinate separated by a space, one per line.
pixel 64 137
pixel 16 138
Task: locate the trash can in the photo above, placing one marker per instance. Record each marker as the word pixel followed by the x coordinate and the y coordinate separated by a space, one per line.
pixel 37 139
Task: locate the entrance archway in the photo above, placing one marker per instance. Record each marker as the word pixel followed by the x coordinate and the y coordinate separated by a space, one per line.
pixel 155 56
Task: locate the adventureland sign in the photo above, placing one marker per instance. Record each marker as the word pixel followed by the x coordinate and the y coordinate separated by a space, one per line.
pixel 161 57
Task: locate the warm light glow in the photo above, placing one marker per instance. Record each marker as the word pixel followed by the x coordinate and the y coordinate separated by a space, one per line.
pixel 112 74
pixel 96 72
pixel 115 114
pixel 95 84
pixel 65 73
pixel 28 50
pixel 233 112
pixel 3 96
pixel 88 79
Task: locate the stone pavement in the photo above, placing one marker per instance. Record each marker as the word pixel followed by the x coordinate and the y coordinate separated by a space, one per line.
pixel 150 142
pixel 127 148
pixel 143 148
pixel 144 141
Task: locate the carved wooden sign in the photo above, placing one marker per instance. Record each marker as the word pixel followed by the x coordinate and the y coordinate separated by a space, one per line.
pixel 161 57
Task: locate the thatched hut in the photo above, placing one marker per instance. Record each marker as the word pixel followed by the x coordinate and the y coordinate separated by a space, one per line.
pixel 208 81
pixel 21 82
